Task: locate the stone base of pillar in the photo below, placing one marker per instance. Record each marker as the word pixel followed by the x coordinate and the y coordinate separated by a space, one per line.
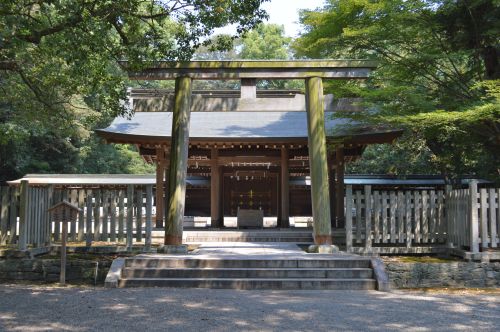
pixel 173 249
pixel 323 249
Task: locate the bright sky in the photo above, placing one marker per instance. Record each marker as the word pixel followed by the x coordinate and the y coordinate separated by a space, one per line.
pixel 284 12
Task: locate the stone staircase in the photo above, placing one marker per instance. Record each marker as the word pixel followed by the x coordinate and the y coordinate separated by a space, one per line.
pixel 349 273
pixel 295 236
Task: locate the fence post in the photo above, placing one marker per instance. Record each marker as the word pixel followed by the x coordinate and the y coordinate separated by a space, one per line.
pixel 408 225
pixel 4 214
pixel 130 215
pixel 449 215
pixel 474 220
pixel 149 221
pixel 23 215
pixel 348 219
pixel 368 218
pixel 88 219
pixel 483 208
pixel 50 194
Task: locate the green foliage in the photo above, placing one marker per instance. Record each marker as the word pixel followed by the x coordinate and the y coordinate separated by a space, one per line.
pixel 406 156
pixel 265 42
pixel 60 70
pixel 98 158
pixel 434 77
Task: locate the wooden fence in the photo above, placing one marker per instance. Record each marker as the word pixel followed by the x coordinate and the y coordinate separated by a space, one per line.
pixel 406 220
pixel 473 218
pixel 409 220
pixel 106 215
pixel 390 218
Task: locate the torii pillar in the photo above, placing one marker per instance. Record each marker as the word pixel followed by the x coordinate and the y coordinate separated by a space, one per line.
pixel 178 161
pixel 318 165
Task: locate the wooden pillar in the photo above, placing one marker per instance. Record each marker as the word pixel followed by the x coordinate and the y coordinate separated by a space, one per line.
pixel 285 189
pixel 178 161
pixel 23 215
pixel 215 192
pixel 339 187
pixel 160 172
pixel 332 186
pixel 320 195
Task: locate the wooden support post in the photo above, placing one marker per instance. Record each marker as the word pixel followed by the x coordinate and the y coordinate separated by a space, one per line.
pixel 215 193
pixel 332 186
pixel 88 219
pixel 130 216
pixel 285 189
pixel 4 214
pixel 160 173
pixel 23 215
pixel 339 186
pixel 474 219
pixel 178 161
pixel 62 275
pixel 348 219
pixel 320 195
pixel 368 218
pixel 149 222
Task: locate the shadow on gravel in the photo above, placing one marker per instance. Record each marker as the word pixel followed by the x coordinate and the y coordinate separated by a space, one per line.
pixel 36 308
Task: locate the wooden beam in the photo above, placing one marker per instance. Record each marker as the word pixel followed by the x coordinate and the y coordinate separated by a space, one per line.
pixel 285 190
pixel 266 69
pixel 320 195
pixel 178 161
pixel 248 160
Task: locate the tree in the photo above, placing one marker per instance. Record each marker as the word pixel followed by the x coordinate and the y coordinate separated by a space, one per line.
pixel 268 42
pixel 59 61
pixel 430 81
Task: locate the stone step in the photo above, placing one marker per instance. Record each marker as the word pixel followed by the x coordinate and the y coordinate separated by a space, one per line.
pixel 249 239
pixel 246 263
pixel 330 273
pixel 252 283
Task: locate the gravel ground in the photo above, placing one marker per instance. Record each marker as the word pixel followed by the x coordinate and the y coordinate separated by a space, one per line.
pixel 46 308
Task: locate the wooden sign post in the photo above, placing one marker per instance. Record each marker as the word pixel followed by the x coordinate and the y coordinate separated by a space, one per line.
pixel 65 213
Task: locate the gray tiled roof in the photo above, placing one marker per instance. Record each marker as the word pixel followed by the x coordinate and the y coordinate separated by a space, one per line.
pixel 228 125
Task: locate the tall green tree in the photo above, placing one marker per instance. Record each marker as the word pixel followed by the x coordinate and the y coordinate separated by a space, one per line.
pixel 268 42
pixel 434 77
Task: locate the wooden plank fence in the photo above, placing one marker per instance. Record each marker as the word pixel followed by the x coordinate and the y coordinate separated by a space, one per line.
pixel 465 219
pixel 389 218
pixel 108 215
pixel 474 218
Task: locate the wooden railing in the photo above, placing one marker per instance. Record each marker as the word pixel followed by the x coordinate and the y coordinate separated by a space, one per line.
pixel 463 219
pixel 109 215
pixel 473 218
pixel 394 218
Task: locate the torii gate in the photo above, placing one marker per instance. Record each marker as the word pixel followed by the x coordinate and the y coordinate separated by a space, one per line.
pixel 312 71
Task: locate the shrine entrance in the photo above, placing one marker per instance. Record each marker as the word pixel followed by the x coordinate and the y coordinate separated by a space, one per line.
pixel 251 192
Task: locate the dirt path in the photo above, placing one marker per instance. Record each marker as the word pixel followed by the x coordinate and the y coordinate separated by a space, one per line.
pixel 41 308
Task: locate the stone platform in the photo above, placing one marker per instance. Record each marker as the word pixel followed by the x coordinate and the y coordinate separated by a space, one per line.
pixel 240 265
